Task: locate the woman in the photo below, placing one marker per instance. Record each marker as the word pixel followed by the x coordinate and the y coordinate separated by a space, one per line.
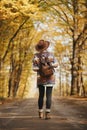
pixel 44 82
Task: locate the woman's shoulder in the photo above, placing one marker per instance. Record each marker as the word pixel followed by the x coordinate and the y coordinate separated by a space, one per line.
pixel 45 53
pixel 50 53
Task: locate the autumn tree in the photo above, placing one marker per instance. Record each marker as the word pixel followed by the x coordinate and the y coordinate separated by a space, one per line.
pixel 16 21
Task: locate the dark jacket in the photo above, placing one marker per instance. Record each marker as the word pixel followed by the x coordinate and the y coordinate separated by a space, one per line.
pixel 36 62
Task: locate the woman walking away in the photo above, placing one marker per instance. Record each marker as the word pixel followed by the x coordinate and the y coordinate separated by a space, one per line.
pixel 44 63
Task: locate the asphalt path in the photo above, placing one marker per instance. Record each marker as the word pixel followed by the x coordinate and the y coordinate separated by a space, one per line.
pixel 67 114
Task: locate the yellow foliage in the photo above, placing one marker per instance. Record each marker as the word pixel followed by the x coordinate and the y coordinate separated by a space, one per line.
pixel 59 47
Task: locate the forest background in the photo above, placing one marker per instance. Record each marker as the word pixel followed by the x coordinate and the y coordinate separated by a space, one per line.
pixel 22 24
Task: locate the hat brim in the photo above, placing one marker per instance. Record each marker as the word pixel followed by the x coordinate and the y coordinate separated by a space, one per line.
pixel 46 45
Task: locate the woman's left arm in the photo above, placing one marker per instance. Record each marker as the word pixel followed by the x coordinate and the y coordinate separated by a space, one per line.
pixel 53 61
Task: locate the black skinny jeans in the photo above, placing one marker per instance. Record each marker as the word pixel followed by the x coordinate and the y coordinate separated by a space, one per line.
pixel 41 96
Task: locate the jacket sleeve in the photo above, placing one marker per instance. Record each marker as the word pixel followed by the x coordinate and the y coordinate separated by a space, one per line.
pixel 53 61
pixel 35 63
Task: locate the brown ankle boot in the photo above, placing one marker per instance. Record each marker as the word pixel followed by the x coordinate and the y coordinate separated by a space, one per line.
pixel 41 115
pixel 47 115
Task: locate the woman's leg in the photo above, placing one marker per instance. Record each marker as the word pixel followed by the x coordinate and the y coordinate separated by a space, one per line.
pixel 41 97
pixel 48 102
pixel 48 98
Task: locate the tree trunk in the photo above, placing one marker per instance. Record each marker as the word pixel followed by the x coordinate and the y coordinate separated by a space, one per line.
pixel 74 58
pixel 60 83
pixel 17 80
pixel 14 81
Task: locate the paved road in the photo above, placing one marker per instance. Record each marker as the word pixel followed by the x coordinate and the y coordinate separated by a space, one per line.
pixel 67 114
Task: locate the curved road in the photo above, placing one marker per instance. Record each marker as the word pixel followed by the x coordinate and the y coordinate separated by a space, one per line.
pixel 67 114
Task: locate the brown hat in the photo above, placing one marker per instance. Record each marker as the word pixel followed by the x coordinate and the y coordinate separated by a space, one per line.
pixel 42 45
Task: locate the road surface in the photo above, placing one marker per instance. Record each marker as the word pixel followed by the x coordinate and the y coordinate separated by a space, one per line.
pixel 67 114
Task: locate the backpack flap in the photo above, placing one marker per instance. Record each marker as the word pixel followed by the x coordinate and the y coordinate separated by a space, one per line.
pixel 46 70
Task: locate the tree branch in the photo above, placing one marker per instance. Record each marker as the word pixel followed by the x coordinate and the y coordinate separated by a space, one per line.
pixel 12 38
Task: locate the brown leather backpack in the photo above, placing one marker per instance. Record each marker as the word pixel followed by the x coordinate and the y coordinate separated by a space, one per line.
pixel 45 68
